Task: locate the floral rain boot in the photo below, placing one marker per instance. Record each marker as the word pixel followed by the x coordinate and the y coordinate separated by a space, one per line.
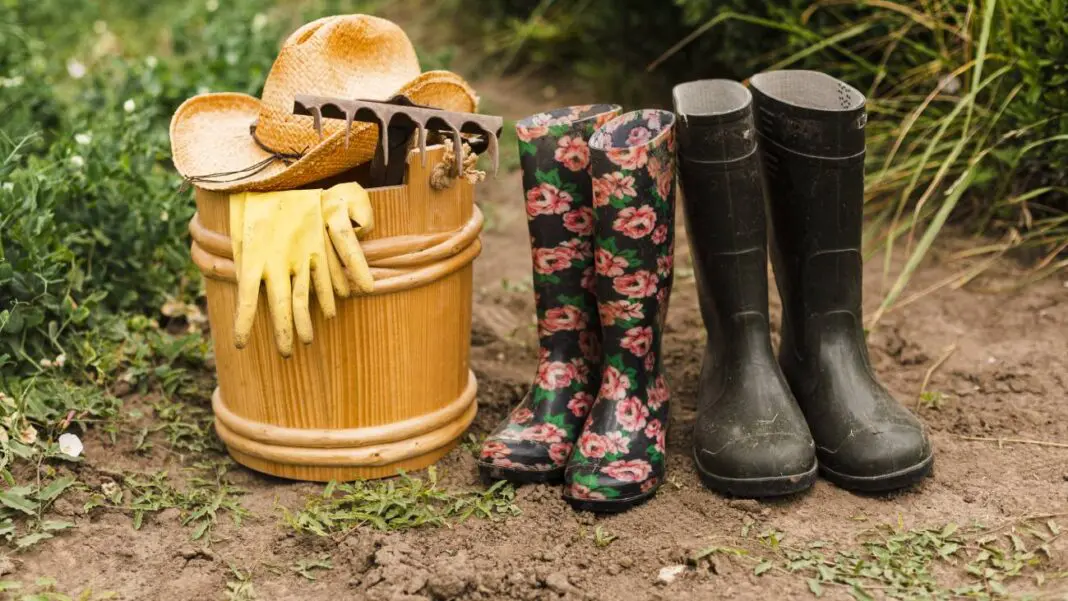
pixel 534 443
pixel 619 459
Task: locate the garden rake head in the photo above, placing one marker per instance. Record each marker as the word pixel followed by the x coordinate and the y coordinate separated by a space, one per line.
pixel 397 118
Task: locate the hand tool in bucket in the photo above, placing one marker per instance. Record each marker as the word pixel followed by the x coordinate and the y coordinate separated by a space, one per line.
pixel 398 118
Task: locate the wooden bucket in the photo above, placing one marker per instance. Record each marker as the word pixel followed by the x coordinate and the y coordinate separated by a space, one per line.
pixel 386 384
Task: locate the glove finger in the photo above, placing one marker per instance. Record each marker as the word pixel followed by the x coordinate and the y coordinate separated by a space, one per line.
pixel 302 304
pixel 280 303
pixel 348 249
pixel 237 225
pixel 324 290
pixel 337 273
pixel 248 296
pixel 360 211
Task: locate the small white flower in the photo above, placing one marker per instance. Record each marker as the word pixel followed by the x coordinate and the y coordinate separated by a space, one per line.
pixel 28 435
pixel 77 162
pixel 100 27
pixel 70 445
pixel 8 186
pixel 46 363
pixel 212 5
pixel 151 61
pixel 61 360
pixel 129 105
pixel 75 69
pixel 164 216
pixel 259 21
pixel 83 139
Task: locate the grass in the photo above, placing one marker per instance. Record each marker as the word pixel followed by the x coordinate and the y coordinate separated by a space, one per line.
pixel 947 562
pixel 398 504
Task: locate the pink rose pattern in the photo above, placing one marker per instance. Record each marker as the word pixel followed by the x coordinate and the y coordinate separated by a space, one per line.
pixel 542 430
pixel 621 452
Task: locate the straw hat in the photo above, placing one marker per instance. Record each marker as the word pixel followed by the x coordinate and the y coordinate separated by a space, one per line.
pixel 234 142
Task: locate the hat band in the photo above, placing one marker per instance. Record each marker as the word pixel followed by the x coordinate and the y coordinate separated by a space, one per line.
pixel 223 177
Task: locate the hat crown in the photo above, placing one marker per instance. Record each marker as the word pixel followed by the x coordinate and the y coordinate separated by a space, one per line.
pixel 349 56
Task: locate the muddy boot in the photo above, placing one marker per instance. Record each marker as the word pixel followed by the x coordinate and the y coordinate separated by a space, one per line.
pixel 750 438
pixel 618 461
pixel 812 140
pixel 533 444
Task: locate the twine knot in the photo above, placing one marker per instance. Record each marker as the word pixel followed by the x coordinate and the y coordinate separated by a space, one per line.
pixel 441 175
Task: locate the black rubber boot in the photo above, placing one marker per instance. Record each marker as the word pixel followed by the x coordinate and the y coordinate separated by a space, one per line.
pixel 750 438
pixel 811 129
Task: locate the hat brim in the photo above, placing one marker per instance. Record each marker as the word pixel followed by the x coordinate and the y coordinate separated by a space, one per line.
pixel 211 144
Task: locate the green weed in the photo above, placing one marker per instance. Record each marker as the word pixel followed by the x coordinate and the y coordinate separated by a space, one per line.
pixel 472 443
pixel 240 587
pixel 932 399
pixel 308 567
pixel 205 498
pixel 398 504
pixel 949 562
pixel 36 411
pixel 602 537
pixel 44 589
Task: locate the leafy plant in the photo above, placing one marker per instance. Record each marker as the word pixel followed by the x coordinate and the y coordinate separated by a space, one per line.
pixel 398 504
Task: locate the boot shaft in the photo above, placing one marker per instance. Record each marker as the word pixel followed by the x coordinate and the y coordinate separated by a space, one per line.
pixel 724 203
pixel 554 157
pixel 633 170
pixel 811 130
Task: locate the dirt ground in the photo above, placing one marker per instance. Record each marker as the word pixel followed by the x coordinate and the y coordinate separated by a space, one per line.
pixel 1006 378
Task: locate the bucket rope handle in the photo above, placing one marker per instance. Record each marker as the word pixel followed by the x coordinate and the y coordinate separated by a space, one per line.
pixel 397 263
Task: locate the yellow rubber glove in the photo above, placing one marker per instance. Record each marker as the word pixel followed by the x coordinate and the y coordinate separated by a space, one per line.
pixel 348 215
pixel 278 239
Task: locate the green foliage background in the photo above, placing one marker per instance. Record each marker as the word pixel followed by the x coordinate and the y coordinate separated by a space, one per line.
pixel 92 217
pixel 968 98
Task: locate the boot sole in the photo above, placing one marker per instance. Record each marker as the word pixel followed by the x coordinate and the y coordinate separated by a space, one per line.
pixel 607 506
pixel 882 483
pixel 492 473
pixel 775 486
